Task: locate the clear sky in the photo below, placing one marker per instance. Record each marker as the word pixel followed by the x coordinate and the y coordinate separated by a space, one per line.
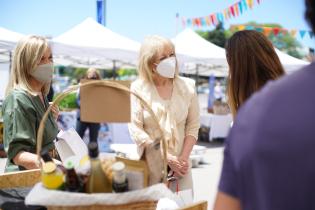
pixel 138 18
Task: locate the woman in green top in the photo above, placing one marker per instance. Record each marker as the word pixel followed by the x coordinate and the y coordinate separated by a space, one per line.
pixel 26 102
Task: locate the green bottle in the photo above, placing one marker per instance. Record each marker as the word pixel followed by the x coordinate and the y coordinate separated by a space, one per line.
pixel 97 181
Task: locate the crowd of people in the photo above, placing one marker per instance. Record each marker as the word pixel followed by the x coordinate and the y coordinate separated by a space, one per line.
pixel 268 157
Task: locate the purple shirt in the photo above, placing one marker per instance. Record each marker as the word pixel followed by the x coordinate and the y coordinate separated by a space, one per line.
pixel 269 158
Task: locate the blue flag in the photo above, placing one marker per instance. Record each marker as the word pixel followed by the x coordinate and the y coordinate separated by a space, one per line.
pixel 100 11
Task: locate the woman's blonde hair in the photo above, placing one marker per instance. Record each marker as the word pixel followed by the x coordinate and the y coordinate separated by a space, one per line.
pixel 27 54
pixel 150 48
pixel 94 72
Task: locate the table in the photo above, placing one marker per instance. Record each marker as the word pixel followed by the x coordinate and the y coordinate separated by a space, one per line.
pixel 219 124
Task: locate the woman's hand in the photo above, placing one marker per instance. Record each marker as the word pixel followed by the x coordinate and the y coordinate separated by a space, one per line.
pixel 55 111
pixel 179 165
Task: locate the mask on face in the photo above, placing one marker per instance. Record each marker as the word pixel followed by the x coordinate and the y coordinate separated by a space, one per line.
pixel 43 73
pixel 166 68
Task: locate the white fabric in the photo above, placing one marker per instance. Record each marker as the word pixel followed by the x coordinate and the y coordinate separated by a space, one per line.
pixel 220 126
pixel 290 63
pixel 8 39
pixel 39 195
pixel 90 39
pixel 189 43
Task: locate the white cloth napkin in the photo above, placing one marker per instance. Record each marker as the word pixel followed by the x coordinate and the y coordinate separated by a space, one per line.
pixel 39 195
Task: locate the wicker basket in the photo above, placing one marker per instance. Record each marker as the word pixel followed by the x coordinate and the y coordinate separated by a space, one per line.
pixel 111 84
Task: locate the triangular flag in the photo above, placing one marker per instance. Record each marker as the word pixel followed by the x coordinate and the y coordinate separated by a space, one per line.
pixel 225 15
pixel 183 22
pixel 228 12
pixel 198 22
pixel 293 32
pixel 240 7
pixel 244 4
pixel 302 33
pixel 250 27
pixel 259 29
pixel 214 19
pixel 220 17
pixel 267 31
pixel 208 21
pixel 203 22
pixel 284 31
pixel 276 31
pixel 194 22
pixel 311 34
pixel 241 27
pixel 236 9
pixel 232 11
pixel 250 3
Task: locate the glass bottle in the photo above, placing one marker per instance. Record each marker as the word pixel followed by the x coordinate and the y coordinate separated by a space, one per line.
pixel 120 181
pixel 72 182
pixel 97 181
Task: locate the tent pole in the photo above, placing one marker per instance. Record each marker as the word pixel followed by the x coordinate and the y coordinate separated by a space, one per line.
pixel 10 61
pixel 197 76
pixel 114 69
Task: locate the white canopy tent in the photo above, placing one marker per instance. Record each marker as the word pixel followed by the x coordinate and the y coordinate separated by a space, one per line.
pixel 8 39
pixel 210 59
pixel 290 63
pixel 90 42
pixel 204 58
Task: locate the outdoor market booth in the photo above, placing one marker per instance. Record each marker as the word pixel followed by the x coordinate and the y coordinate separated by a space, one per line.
pixel 44 193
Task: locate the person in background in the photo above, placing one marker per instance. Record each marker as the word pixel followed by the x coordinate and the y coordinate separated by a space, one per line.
pixel 269 156
pixel 51 93
pixel 91 74
pixel 26 102
pixel 252 63
pixel 174 101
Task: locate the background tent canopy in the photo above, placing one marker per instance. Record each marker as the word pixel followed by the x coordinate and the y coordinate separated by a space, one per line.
pixel 189 43
pixel 8 39
pixel 89 39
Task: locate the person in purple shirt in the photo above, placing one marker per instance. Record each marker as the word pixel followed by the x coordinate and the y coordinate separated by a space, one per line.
pixel 269 158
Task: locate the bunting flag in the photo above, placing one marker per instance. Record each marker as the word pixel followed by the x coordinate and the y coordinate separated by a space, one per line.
pixel 276 31
pixel 233 10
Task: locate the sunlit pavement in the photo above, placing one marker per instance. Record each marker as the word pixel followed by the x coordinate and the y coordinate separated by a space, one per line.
pixel 206 176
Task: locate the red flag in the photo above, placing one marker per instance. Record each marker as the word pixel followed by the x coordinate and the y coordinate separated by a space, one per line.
pixel 276 31
pixel 232 10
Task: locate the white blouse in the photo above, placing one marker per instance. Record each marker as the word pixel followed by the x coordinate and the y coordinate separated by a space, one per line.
pixel 178 116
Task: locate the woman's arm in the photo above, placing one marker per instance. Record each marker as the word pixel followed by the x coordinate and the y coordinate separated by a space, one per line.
pixel 26 159
pixel 226 202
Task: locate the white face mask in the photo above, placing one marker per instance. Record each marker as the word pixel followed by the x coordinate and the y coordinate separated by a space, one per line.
pixel 43 73
pixel 167 67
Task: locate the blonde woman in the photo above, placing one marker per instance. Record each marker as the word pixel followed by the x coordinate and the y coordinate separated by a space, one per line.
pixel 26 102
pixel 173 100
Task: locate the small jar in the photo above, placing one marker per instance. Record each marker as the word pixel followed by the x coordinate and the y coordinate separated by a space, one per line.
pixel 120 181
pixel 52 176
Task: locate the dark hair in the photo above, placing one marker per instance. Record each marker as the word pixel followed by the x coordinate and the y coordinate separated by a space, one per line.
pixel 252 62
pixel 310 13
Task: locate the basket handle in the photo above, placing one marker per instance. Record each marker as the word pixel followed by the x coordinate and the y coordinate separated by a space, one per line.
pixel 105 83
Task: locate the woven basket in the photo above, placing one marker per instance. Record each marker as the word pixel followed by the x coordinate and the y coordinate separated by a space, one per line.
pixel 111 84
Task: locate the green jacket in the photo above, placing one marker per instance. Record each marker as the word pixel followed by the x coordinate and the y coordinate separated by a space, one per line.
pixel 22 114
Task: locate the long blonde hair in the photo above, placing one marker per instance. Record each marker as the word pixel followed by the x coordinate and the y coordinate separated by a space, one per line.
pixel 27 54
pixel 150 48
